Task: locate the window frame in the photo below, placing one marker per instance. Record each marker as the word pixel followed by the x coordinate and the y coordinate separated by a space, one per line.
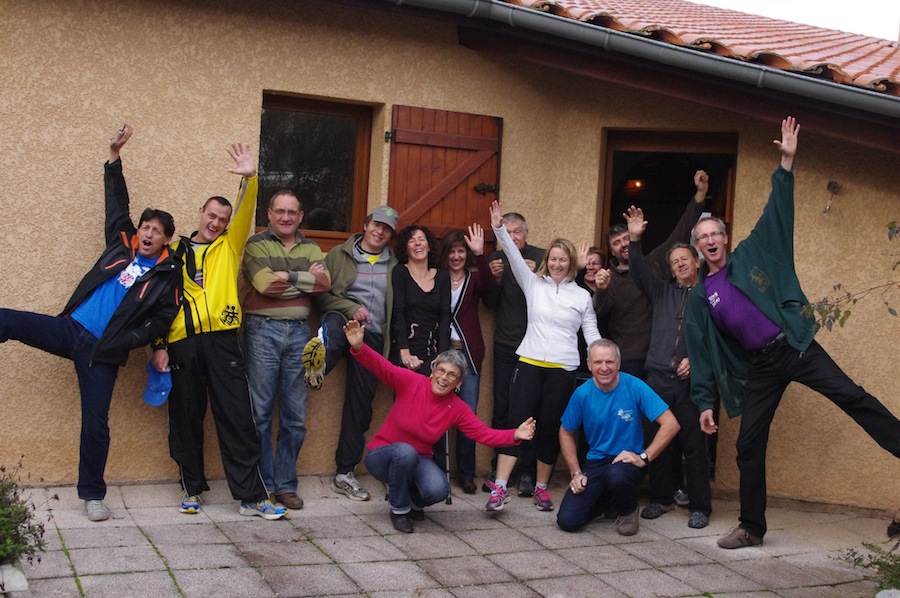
pixel 362 114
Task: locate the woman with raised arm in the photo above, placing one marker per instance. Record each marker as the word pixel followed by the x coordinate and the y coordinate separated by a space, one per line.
pixel 548 355
pixel 424 409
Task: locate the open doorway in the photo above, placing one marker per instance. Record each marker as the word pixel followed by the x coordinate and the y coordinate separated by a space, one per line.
pixel 654 170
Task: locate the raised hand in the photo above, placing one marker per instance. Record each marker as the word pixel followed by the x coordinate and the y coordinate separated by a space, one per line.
pixel 119 138
pixel 355 332
pixel 790 133
pixel 496 214
pixel 244 161
pixel 475 239
pixel 581 255
pixel 701 182
pixel 634 217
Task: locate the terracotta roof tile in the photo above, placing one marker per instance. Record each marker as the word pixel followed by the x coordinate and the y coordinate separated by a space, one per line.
pixel 842 57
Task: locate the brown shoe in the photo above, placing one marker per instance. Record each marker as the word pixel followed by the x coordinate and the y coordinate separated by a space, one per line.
pixel 468 486
pixel 627 525
pixel 290 500
pixel 738 538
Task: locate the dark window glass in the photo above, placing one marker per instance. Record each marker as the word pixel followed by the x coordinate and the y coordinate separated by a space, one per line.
pixel 319 150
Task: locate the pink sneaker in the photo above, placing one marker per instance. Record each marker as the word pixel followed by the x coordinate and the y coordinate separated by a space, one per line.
pixel 541 499
pixel 499 497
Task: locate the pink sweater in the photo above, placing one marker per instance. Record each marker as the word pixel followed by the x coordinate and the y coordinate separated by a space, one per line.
pixel 419 417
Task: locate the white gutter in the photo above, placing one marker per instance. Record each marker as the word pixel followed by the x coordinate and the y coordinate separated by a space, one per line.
pixel 761 76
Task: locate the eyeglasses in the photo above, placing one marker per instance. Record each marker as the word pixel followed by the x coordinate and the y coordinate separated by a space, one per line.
pixel 440 372
pixel 717 234
pixel 282 212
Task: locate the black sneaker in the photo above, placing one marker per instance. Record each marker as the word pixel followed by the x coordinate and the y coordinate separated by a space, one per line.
pixel 526 485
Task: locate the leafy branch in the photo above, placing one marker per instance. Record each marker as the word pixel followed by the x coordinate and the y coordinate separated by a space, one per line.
pixel 886 563
pixel 836 309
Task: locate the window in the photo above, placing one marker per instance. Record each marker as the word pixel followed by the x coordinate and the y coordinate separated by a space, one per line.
pixel 320 151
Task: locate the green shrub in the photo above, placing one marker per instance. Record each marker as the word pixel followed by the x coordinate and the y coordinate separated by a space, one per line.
pixel 21 535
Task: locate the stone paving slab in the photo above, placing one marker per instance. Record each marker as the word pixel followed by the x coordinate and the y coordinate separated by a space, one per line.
pixel 116 585
pixel 389 575
pixel 234 583
pixel 211 556
pixel 309 580
pixel 430 545
pixel 270 554
pixel 465 570
pixel 581 585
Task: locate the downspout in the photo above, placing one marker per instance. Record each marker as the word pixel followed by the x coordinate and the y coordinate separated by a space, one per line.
pixel 761 76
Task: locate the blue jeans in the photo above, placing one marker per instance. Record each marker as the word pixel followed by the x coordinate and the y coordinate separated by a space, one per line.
pixel 610 485
pixel 275 363
pixel 64 337
pixel 465 446
pixel 411 479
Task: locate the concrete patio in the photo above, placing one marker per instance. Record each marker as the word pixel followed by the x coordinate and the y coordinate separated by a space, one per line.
pixel 337 547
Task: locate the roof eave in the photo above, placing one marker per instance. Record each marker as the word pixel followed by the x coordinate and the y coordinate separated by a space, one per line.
pixel 758 75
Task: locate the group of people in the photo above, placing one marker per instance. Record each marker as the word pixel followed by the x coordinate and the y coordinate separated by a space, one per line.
pixel 676 338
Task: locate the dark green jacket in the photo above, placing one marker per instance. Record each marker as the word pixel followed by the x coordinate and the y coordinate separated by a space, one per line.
pixel 762 266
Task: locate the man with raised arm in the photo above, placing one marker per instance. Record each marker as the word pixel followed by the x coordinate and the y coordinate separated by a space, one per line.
pixel 125 301
pixel 668 374
pixel 205 356
pixel 748 338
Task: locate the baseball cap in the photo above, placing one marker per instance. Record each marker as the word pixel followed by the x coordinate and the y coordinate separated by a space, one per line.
pixel 386 215
pixel 158 386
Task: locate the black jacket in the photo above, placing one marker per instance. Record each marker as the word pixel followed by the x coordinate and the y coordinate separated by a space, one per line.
pixel 150 305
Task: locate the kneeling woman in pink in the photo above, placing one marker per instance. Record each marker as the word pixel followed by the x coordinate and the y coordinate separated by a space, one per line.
pixel 424 409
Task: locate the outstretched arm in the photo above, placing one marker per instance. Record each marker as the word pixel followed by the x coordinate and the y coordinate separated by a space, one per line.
pixel 118 218
pixel 790 132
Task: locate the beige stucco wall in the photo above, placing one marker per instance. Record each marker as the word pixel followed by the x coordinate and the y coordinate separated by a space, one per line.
pixel 190 77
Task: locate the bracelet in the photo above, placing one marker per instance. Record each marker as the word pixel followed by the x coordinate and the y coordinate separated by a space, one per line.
pixel 579 472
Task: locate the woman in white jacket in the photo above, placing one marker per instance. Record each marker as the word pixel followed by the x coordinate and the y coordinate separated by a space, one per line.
pixel 544 377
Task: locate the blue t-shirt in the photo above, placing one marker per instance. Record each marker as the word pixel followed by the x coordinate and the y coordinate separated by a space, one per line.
pixel 95 312
pixel 612 420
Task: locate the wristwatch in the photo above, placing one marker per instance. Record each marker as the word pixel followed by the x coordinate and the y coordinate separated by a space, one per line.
pixel 645 458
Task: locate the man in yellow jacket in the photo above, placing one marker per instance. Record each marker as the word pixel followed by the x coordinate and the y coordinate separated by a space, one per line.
pixel 204 355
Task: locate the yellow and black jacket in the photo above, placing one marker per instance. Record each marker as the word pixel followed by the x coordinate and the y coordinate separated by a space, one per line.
pixel 213 305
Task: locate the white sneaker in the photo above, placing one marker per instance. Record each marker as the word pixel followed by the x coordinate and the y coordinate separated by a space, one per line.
pixel 96 510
